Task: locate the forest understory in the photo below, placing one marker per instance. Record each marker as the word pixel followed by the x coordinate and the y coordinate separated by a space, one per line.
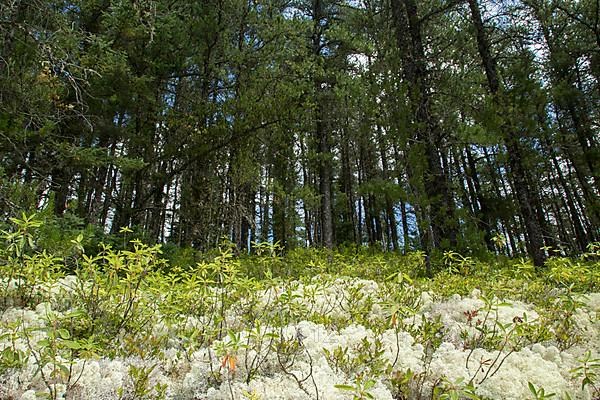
pixel 299 199
pixel 130 321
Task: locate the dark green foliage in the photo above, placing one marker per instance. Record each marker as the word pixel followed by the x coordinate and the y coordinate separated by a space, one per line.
pixel 400 125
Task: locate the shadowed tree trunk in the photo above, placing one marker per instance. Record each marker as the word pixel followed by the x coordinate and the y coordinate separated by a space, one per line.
pixel 525 196
pixel 439 230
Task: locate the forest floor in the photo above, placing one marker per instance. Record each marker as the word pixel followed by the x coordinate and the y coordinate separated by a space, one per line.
pixel 126 324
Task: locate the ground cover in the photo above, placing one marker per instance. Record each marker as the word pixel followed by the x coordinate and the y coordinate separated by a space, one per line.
pixel 125 324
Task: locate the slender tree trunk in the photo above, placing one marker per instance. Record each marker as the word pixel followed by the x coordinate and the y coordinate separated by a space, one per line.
pixel 308 226
pixel 348 230
pixel 405 231
pixel 325 185
pixel 60 185
pixel 485 220
pixel 391 226
pixel 568 198
pixel 467 185
pixel 523 191
pixel 322 132
pixel 440 225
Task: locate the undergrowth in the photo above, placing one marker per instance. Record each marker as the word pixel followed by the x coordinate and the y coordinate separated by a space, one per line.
pixel 74 300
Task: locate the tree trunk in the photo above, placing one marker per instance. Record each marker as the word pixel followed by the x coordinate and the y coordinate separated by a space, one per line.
pixel 440 225
pixel 523 191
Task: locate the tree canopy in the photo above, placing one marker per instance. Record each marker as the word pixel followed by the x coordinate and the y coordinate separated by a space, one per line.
pixel 403 124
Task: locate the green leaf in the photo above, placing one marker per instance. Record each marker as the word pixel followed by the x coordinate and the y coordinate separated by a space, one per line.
pixel 369 384
pixel 64 334
pixel 344 387
pixel 63 369
pixel 73 345
pixel 75 314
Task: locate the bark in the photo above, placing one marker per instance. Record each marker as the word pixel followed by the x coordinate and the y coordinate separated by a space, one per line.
pixel 439 229
pixel 526 198
pixel 322 135
pixel 485 220
pixel 391 226
pixel 348 230
pixel 325 187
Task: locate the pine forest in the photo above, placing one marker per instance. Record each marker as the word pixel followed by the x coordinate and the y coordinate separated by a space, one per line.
pixel 216 186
